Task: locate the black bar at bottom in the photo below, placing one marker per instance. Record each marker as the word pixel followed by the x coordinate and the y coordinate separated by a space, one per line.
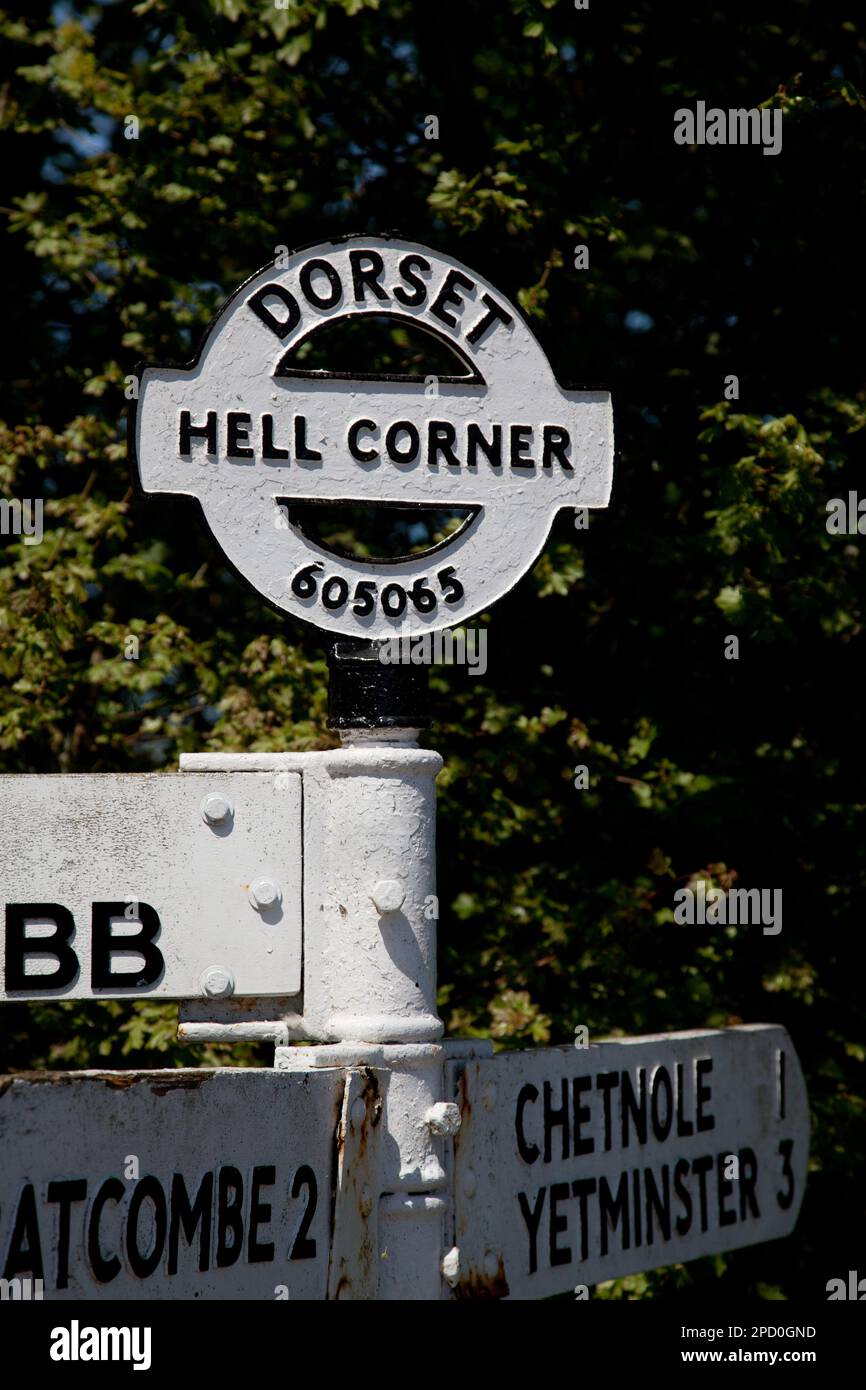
pixel 230 1340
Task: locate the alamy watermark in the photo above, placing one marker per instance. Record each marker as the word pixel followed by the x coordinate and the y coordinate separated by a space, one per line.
pixel 21 516
pixel 77 1343
pixel 854 1288
pixel 21 1290
pixel 847 516
pixel 702 904
pixel 734 127
pixel 463 647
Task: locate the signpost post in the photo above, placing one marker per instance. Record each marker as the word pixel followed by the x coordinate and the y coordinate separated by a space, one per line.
pixel 292 896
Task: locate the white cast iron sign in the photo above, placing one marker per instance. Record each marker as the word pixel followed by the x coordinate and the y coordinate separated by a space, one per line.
pixel 168 1184
pixel 575 1166
pixel 246 435
pixel 174 887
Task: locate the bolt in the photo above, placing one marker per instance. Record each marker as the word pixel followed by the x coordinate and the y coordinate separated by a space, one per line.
pixel 488 1095
pixel 451 1266
pixel 443 1118
pixel 216 808
pixel 388 895
pixel 365 1204
pixel 264 893
pixel 359 1113
pixel 469 1183
pixel 217 982
pixel 491 1264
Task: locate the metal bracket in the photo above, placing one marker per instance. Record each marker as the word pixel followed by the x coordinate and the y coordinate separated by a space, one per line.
pixel 277 1020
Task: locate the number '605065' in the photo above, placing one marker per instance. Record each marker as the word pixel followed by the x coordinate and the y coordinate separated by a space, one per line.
pixel 392 597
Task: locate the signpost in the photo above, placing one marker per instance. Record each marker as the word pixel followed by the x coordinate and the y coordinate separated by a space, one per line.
pixel 292 896
pixel 576 1166
pixel 149 884
pixel 168 1184
pixel 245 432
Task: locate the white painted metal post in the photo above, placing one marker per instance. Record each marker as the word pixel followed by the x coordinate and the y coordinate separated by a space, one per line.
pixel 370 952
pixel 370 890
pixel 369 1000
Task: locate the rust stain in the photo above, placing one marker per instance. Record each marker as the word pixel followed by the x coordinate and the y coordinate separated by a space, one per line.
pixel 463 1096
pixel 69 1078
pixel 366 1259
pixel 181 1083
pixel 476 1284
pixel 373 1108
pixel 464 1105
pixel 160 1082
pixel 344 911
pixel 356 1275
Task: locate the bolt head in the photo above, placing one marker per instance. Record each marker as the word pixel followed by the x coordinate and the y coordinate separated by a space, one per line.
pixel 488 1096
pixel 358 1113
pixel 470 1183
pixel 216 809
pixel 264 893
pixel 443 1118
pixel 218 982
pixel 491 1264
pixel 388 895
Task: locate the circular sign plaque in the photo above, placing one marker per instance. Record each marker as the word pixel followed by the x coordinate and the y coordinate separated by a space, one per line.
pixel 249 435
